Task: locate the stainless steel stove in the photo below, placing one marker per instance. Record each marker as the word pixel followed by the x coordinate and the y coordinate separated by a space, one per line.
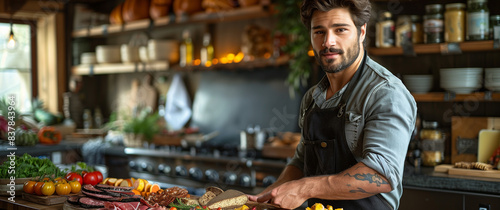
pixel 197 168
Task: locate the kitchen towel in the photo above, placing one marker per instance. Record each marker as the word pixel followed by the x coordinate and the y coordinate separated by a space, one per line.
pixel 178 104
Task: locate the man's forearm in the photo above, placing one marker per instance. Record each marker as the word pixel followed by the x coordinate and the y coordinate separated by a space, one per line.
pixel 354 183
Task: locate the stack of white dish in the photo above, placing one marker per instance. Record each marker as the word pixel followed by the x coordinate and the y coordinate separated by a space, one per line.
pixel 461 80
pixel 108 54
pixel 492 79
pixel 159 50
pixel 88 58
pixel 418 83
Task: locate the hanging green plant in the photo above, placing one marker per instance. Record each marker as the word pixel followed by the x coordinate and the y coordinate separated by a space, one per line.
pixel 298 45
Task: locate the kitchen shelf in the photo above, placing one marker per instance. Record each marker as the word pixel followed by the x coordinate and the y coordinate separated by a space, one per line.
pixel 472 46
pixel 251 12
pixel 447 96
pixel 115 68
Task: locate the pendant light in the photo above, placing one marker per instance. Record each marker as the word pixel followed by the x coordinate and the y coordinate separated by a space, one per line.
pixel 11 42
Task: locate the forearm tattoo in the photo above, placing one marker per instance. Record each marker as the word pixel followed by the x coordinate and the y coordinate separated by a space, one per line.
pixel 372 178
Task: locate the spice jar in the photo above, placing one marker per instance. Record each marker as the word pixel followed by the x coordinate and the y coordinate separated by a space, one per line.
pixel 417 31
pixel 433 24
pixel 477 20
pixel 432 144
pixel 384 31
pixel 495 23
pixel 454 24
pixel 403 30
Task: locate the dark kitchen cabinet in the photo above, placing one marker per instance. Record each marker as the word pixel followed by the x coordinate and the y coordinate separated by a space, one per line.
pixel 431 199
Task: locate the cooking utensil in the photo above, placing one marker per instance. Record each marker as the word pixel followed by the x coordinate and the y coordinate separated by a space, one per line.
pixel 197 139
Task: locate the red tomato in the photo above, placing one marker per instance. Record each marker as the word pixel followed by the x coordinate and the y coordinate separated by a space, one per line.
pixel 90 178
pixel 74 176
pixel 99 176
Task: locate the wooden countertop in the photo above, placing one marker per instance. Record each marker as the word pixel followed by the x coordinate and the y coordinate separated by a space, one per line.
pixel 21 204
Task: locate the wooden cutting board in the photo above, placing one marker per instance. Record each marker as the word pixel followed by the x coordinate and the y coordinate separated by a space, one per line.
pixel 45 200
pixel 449 169
pixel 475 173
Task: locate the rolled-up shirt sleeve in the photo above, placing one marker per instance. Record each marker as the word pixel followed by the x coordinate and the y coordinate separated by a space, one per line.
pixel 390 119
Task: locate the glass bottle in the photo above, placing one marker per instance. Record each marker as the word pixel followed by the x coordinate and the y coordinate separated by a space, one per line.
pixel 454 23
pixel 494 23
pixel 477 20
pixel 403 30
pixel 432 144
pixel 207 51
pixel 417 31
pixel 87 119
pixel 433 24
pixel 186 50
pixel 385 31
pixel 98 118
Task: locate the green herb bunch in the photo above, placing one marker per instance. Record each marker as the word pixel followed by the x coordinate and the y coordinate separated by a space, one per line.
pixel 289 24
pixel 27 166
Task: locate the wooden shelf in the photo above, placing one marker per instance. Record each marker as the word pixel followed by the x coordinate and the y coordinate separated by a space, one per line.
pixel 446 96
pixel 115 68
pixel 250 12
pixel 472 46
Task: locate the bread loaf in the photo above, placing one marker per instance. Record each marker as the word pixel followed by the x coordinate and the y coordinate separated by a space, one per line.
pixel 116 15
pixel 215 190
pixel 183 7
pixel 205 198
pixel 190 201
pixel 159 8
pixel 228 199
pixel 135 10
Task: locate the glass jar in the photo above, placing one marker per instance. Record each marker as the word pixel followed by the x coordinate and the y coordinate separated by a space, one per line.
pixel 417 30
pixel 433 24
pixel 454 24
pixel 384 31
pixel 477 20
pixel 432 144
pixel 403 30
pixel 494 23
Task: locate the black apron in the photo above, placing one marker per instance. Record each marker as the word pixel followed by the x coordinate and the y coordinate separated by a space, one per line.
pixel 326 150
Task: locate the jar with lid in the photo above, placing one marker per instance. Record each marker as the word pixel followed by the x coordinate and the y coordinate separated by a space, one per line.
pixel 403 30
pixel 384 31
pixel 433 24
pixel 454 23
pixel 432 144
pixel 495 24
pixel 477 20
pixel 417 31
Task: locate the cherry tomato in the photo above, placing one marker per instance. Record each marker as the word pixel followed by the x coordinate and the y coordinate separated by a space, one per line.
pixel 29 187
pixel 48 188
pixel 173 208
pixel 38 188
pixel 74 176
pixel 63 188
pixel 75 186
pixel 99 176
pixel 90 178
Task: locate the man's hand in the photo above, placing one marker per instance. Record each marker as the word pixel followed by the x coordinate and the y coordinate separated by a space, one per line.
pixel 289 195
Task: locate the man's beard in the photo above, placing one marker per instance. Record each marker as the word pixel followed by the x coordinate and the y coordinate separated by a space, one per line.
pixel 346 61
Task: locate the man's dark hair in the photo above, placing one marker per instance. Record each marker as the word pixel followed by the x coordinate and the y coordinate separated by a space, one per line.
pixel 360 10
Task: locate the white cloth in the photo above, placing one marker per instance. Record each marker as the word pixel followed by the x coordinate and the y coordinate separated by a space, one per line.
pixel 178 104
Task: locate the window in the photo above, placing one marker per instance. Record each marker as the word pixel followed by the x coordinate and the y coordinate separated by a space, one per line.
pixel 16 65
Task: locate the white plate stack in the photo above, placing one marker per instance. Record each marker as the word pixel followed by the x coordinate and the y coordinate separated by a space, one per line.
pixel 492 79
pixel 461 80
pixel 418 83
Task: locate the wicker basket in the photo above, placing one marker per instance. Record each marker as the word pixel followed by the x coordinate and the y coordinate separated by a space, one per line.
pixel 133 140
